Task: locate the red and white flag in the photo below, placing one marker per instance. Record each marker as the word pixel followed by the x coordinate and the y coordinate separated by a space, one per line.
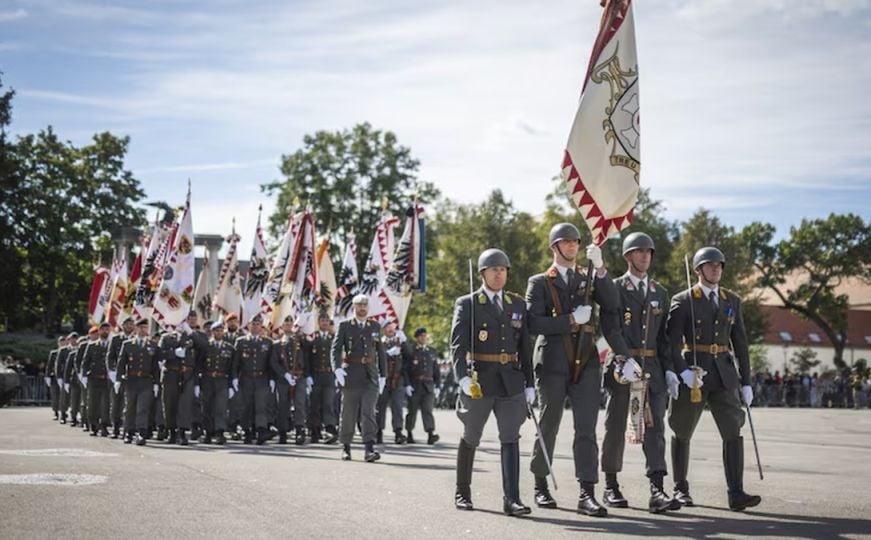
pixel 119 291
pixel 347 281
pixel 327 276
pixel 303 274
pixel 255 283
pixel 175 294
pixel 132 286
pixel 602 160
pixel 228 296
pixel 97 299
pixel 375 272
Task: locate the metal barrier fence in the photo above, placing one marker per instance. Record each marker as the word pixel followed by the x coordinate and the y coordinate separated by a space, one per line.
pixel 33 391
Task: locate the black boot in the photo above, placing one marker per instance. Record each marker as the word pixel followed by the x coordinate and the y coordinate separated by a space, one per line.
pixel 104 430
pixel 543 498
pixel 334 435
pixel 587 503
pixel 74 422
pixel 183 438
pixel 162 434
pixel 207 438
pixel 680 463
pixel 262 436
pixel 371 455
pixel 431 438
pixel 659 501
pixel 282 437
pixel 220 439
pixel 300 436
pixel 379 439
pixel 346 452
pixel 140 438
pixel 612 496
pixel 511 504
pixel 465 462
pixel 733 462
pixel 410 438
pixel 398 437
pixel 63 418
pixel 316 435
pixel 56 416
pixel 173 436
pixel 94 432
pixel 249 437
pixel 116 432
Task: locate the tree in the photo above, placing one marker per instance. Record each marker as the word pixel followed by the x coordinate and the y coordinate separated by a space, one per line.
pixel 346 176
pixel 758 359
pixel 818 255
pixel 804 360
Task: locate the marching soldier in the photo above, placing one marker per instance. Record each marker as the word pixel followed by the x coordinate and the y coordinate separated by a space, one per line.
pixel 560 318
pixel 93 335
pixel 234 405
pixel 702 322
pixel 177 352
pixel 358 357
pixel 96 381
pixel 51 378
pixel 394 392
pixel 138 370
pixel 116 401
pixel 286 356
pixel 490 345
pixel 423 385
pixel 251 378
pixel 72 372
pixel 641 351
pixel 60 372
pixel 214 384
pixel 323 396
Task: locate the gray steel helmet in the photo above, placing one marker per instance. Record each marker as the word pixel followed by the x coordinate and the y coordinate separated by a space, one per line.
pixel 637 240
pixel 706 255
pixel 563 231
pixel 493 257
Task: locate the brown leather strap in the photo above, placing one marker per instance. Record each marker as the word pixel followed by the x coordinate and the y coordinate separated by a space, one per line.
pixel 255 374
pixel 501 358
pixel 642 353
pixel 558 308
pixel 140 374
pixel 358 360
pixel 216 373
pixel 714 349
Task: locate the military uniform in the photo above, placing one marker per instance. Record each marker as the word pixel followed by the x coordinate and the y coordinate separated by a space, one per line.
pixel 116 401
pixel 63 384
pixel 51 375
pixel 423 375
pixel 138 369
pixel 323 396
pixel 234 404
pixel 71 374
pixel 179 378
pixel 251 368
pixel 358 350
pixel 214 383
pixel 393 396
pixel 94 369
pixel 287 358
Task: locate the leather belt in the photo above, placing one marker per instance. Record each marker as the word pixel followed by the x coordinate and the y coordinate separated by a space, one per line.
pixel 172 368
pixel 423 378
pixel 324 370
pixel 215 373
pixel 97 376
pixel 713 349
pixel 358 360
pixel 140 374
pixel 642 353
pixel 255 374
pixel 587 329
pixel 186 369
pixel 501 358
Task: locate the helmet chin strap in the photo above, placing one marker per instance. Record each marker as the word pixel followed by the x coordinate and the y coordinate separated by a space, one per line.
pixel 559 250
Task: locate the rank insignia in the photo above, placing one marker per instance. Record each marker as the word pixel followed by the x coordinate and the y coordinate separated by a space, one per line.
pixel 629 285
pixel 627 318
pixel 482 335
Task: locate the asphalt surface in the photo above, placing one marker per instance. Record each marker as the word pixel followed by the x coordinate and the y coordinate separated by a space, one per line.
pixel 56 481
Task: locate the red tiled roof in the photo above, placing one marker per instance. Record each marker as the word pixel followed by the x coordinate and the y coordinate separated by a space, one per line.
pixel 800 330
pixel 856 289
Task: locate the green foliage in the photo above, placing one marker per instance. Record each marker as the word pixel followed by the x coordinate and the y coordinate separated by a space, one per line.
pixel 758 359
pixel 804 360
pixel 20 347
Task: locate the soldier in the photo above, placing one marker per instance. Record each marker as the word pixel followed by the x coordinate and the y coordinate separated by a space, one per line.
pixel 51 379
pixel 215 382
pixel 323 396
pixel 286 362
pixel 234 405
pixel 138 370
pixel 117 398
pixel 96 381
pixel 180 351
pixel 490 345
pixel 705 343
pixel 423 385
pixel 93 335
pixel 72 373
pixel 251 367
pixel 559 316
pixel 394 392
pixel 361 371
pixel 60 372
pixel 641 351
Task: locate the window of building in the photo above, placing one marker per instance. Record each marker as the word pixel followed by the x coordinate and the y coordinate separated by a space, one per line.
pixel 786 336
pixel 814 337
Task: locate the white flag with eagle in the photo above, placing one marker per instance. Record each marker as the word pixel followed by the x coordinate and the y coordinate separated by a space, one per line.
pixel 347 281
pixel 228 296
pixel 255 283
pixel 602 159
pixel 175 295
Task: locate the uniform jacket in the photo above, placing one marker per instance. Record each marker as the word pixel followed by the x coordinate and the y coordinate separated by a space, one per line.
pixel 251 356
pixel 355 339
pixel 138 361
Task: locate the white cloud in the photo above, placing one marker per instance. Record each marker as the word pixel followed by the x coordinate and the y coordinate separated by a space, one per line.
pixel 14 15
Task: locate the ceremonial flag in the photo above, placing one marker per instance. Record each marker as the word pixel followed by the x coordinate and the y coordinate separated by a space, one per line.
pixel 348 278
pixel 119 291
pixel 276 284
pixel 602 160
pixel 375 272
pixel 203 293
pixel 176 292
pixel 228 297
pixel 408 271
pixel 97 300
pixel 255 283
pixel 104 297
pixel 327 276
pixel 303 275
pixel 152 265
pixel 132 286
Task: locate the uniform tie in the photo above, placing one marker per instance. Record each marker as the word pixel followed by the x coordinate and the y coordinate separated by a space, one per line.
pixel 497 301
pixel 643 288
pixel 713 298
pixel 570 274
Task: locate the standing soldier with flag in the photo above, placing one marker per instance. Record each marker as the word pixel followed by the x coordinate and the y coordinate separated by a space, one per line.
pixel 323 396
pixel 421 364
pixel 490 344
pixel 138 370
pixel 706 330
pixel 641 350
pixel 560 315
pixel 286 355
pixel 94 376
pixel 394 392
pixel 117 399
pixel 214 382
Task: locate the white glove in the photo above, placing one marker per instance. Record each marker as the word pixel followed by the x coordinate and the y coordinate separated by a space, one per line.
pixel 401 335
pixel 180 352
pixel 437 390
pixel 162 365
pixel 185 327
pixel 67 388
pixel 230 393
pixel 84 381
pixel 673 383
pixel 340 376
pixel 747 394
pixel 272 386
pixel 530 395
pixel 117 386
pixel 309 382
pixel 156 389
pixel 113 376
pixel 594 255
pixel 582 314
pixel 47 380
pixel 382 382
pixel 393 351
pixel 687 376
pixel 197 391
pixel 60 383
pixel 290 379
pixel 629 370
pixel 235 384
pixel 409 390
pixel 466 385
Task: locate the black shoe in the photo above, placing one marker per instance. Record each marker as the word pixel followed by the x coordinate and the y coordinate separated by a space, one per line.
pixel 543 498
pixel 63 419
pixel 104 431
pixel 196 432
pixel 236 436
pixel 432 438
pixel 733 461
pixel 514 508
pixel 249 437
pixel 116 432
pixel 659 502
pixel 86 427
pixel 140 439
pixel 94 433
pixel 587 503
pixel 614 498
pixel 334 435
pixel 398 437
pixel 182 438
pixel 56 415
pixel 316 435
pixel 173 437
pixel 410 438
pixel 463 501
pixel 207 438
pixel 262 436
pixel 379 439
pixel 740 501
pixel 162 434
pixel 74 423
pixel 282 438
pixel 300 437
pixel 346 452
pixel 371 455
pixel 221 439
pixel 682 496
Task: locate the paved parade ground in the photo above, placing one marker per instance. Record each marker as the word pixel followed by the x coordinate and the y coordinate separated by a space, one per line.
pixel 56 481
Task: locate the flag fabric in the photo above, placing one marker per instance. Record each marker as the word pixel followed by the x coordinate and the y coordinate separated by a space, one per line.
pixel 348 279
pixel 203 293
pixel 104 297
pixel 228 296
pixel 96 300
pixel 303 275
pixel 176 291
pixel 374 277
pixel 273 293
pixel 255 282
pixel 602 159
pixel 152 264
pixel 132 286
pixel 408 270
pixel 327 276
pixel 119 291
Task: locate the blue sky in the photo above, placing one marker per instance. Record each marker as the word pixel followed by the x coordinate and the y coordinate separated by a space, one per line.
pixel 754 109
